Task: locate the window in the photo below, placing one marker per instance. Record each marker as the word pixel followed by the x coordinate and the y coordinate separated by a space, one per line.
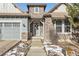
pixel 36 9
pixel 67 26
pixel 7 24
pixel 62 26
pixel 58 26
pixel 16 24
pixel 11 24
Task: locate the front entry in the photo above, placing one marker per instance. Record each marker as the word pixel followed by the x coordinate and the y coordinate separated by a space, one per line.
pixel 37 29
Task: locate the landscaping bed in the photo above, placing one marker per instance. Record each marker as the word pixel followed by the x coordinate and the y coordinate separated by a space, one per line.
pixel 64 48
pixel 21 49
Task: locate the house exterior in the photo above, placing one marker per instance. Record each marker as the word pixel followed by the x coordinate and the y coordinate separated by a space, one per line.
pixel 17 25
pixel 13 22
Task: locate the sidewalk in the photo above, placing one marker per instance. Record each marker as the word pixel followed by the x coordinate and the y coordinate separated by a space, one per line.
pixel 36 48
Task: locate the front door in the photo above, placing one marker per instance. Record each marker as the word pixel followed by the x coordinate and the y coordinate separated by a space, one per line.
pixel 37 29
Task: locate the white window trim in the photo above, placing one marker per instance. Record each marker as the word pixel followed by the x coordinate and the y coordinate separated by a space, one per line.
pixel 35 10
pixel 63 28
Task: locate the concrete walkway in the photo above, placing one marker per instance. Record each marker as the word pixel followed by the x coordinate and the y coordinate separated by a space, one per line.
pixel 36 48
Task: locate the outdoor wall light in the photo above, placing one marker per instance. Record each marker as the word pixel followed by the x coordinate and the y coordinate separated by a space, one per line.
pixel 24 25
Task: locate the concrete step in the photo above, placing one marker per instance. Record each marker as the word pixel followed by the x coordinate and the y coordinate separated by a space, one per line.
pixel 36 44
pixel 36 54
pixel 37 37
pixel 36 40
pixel 37 48
pixel 36 51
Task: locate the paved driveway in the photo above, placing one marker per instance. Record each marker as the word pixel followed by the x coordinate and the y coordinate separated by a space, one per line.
pixel 5 45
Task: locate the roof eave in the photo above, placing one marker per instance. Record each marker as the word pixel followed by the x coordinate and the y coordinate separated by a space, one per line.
pixel 55 7
pixel 17 7
pixel 14 14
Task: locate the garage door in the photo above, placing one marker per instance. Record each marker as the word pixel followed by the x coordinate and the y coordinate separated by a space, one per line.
pixel 10 30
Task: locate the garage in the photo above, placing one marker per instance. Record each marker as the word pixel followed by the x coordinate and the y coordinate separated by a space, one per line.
pixel 10 30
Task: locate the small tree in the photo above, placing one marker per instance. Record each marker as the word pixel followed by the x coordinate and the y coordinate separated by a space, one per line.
pixel 73 10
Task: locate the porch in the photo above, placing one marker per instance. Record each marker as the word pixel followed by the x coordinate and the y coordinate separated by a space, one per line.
pixel 36 28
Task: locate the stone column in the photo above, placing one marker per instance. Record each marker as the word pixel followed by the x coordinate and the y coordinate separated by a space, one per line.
pixel 49 33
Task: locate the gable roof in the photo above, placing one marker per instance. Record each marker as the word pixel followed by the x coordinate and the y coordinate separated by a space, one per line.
pixel 9 8
pixel 57 15
pixel 55 7
pixel 17 7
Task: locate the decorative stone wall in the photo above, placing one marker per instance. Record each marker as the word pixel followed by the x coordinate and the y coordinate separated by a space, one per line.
pixel 19 50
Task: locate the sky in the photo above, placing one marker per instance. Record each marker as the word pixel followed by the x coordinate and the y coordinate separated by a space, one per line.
pixel 23 6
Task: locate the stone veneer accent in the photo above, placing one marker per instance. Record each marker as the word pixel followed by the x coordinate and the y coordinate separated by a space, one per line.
pixel 49 34
pixel 24 35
